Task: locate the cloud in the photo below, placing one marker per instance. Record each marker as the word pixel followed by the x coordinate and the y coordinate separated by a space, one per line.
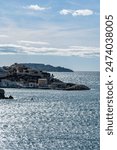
pixel 69 51
pixel 65 12
pixel 9 49
pixel 33 42
pixel 85 12
pixel 3 36
pixel 35 8
pixel 80 12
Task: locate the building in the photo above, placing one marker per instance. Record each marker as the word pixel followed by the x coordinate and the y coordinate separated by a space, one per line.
pixel 42 82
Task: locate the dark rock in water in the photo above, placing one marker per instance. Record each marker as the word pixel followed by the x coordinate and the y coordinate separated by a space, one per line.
pixel 78 87
pixel 2 92
pixel 10 97
pixel 2 95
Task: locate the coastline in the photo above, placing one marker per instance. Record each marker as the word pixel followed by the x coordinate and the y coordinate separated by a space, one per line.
pixel 21 76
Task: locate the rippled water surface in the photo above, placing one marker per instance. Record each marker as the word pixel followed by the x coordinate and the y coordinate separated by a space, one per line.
pixel 51 119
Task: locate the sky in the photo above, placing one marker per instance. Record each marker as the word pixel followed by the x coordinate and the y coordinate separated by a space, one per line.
pixel 57 32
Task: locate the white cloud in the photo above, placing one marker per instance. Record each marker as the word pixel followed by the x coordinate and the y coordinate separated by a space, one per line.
pixel 85 12
pixel 80 12
pixel 70 51
pixel 35 8
pixel 33 42
pixel 3 36
pixel 65 12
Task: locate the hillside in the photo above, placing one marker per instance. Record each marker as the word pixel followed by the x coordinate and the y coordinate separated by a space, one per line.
pixel 21 76
pixel 2 72
pixel 48 68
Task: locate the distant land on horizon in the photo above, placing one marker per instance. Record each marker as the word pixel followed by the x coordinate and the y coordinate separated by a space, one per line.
pixel 48 68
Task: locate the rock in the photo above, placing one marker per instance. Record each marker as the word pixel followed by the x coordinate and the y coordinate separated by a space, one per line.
pixel 57 86
pixel 10 97
pixel 2 92
pixel 78 87
pixel 67 86
pixel 2 95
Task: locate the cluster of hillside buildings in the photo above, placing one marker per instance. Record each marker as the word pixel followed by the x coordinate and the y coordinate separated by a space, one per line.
pixel 19 75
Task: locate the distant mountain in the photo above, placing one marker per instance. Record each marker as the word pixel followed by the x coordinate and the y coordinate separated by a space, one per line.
pixel 48 68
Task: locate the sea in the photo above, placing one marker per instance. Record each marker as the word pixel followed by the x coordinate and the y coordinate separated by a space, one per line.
pixel 52 119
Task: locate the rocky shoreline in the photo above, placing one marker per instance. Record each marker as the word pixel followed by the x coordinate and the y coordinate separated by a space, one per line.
pixel 20 76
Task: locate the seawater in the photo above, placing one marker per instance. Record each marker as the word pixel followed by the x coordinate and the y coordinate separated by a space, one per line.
pixel 50 119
